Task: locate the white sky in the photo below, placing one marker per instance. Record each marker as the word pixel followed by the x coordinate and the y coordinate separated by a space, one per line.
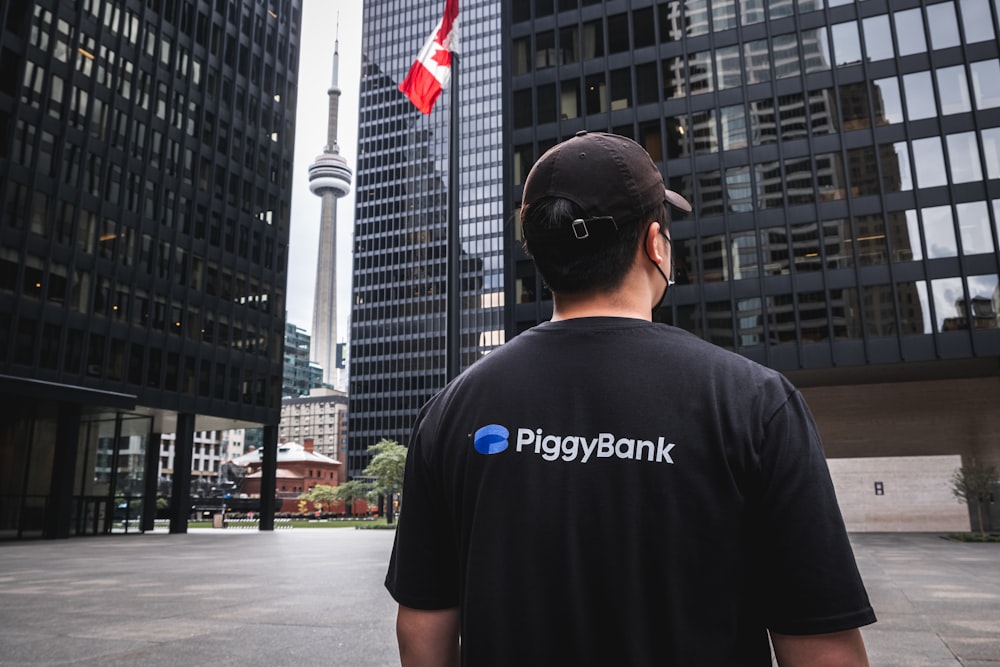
pixel 319 29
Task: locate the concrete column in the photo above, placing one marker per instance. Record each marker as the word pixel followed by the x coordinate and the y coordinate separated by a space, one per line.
pixel 151 483
pixel 268 475
pixel 180 502
pixel 59 510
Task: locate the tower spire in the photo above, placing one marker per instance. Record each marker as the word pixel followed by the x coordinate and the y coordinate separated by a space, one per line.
pixel 329 178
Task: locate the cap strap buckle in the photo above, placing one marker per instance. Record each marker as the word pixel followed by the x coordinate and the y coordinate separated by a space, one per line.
pixel 580 230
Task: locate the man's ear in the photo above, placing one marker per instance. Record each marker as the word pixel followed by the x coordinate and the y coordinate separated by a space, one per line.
pixel 652 249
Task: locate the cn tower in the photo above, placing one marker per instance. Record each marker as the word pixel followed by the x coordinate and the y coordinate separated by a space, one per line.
pixel 329 178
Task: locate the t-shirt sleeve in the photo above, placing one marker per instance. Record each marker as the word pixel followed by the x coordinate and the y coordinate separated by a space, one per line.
pixel 808 578
pixel 423 570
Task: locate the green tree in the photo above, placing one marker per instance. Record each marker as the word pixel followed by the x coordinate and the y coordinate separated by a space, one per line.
pixel 321 495
pixel 974 483
pixel 352 490
pixel 386 468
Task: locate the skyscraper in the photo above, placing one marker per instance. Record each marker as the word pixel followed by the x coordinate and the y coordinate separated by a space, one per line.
pixel 398 317
pixel 145 162
pixel 330 178
pixel 843 159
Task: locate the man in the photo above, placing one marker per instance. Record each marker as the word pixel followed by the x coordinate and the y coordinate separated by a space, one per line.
pixel 605 490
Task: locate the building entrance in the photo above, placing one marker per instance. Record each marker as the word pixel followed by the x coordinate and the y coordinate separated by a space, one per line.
pixel 108 489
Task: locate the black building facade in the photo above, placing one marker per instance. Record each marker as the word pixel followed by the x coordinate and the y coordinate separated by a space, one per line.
pixel 399 310
pixel 843 159
pixel 145 179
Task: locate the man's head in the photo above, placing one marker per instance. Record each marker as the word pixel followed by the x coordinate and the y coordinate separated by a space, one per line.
pixel 587 203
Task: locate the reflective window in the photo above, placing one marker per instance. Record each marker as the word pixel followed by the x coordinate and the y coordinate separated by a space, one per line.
pixel 887 103
pixel 939 232
pixel 815 50
pixel 733 127
pixel 830 176
pixel 785 55
pixel 949 305
pixel 854 106
pixel 982 301
pixel 976 20
pixel 703 134
pixel 878 38
pixel 914 308
pixel 752 11
pixel 919 96
pixel 896 173
pixel 723 14
pixel 910 32
pixel 906 244
pixel 728 68
pixel 974 228
pixel 963 152
pixel 863 171
pixel 846 44
pixel 699 74
pixel 870 240
pixel 985 74
pixel 953 90
pixel 696 17
pixel 943 25
pixel 739 190
pixel 799 181
pixel 757 56
pixel 991 151
pixel 928 162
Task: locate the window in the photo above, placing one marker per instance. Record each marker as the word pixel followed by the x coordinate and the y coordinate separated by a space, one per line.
pixel 919 93
pixel 846 44
pixel 928 161
pixel 878 38
pixel 910 32
pixel 943 25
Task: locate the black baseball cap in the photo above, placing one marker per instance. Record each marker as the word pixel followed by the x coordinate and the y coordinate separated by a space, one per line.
pixel 608 176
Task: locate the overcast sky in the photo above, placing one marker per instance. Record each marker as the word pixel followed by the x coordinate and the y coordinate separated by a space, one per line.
pixel 319 30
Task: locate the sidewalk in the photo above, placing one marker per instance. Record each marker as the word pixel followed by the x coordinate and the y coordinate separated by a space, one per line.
pixel 298 597
pixel 937 601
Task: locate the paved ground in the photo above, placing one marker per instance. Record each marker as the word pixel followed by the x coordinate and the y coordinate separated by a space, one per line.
pixel 299 597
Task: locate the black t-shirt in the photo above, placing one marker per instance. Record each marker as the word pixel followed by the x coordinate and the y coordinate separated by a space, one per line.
pixel 609 491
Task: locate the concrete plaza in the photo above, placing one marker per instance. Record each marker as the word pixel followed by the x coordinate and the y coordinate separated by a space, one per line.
pixel 315 597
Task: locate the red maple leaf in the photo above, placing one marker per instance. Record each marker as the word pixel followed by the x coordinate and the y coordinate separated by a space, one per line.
pixel 442 57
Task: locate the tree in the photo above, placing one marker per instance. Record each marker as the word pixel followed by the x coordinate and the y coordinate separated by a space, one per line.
pixel 974 482
pixel 352 490
pixel 321 495
pixel 386 467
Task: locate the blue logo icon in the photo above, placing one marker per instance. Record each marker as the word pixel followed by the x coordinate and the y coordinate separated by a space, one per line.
pixel 491 439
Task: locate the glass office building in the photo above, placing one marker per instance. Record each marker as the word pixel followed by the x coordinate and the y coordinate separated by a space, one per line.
pixel 843 159
pixel 398 315
pixel 145 182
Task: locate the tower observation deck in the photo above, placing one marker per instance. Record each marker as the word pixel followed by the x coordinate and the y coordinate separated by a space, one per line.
pixel 330 179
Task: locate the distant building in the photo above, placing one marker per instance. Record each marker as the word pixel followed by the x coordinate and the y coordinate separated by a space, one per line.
pixel 300 374
pixel 398 315
pixel 321 417
pixel 300 468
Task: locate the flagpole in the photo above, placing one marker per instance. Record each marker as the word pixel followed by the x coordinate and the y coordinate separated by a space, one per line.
pixel 454 316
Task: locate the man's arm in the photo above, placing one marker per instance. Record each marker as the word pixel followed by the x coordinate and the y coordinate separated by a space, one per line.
pixel 428 638
pixel 835 649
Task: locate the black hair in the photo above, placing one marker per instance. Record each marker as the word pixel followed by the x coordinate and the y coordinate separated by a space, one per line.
pixel 569 265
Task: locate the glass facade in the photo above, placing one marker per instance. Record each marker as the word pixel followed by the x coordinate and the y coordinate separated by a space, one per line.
pixel 145 183
pixel 843 161
pixel 398 315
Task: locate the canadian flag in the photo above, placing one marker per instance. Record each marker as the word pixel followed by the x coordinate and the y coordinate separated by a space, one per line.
pixel 431 71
